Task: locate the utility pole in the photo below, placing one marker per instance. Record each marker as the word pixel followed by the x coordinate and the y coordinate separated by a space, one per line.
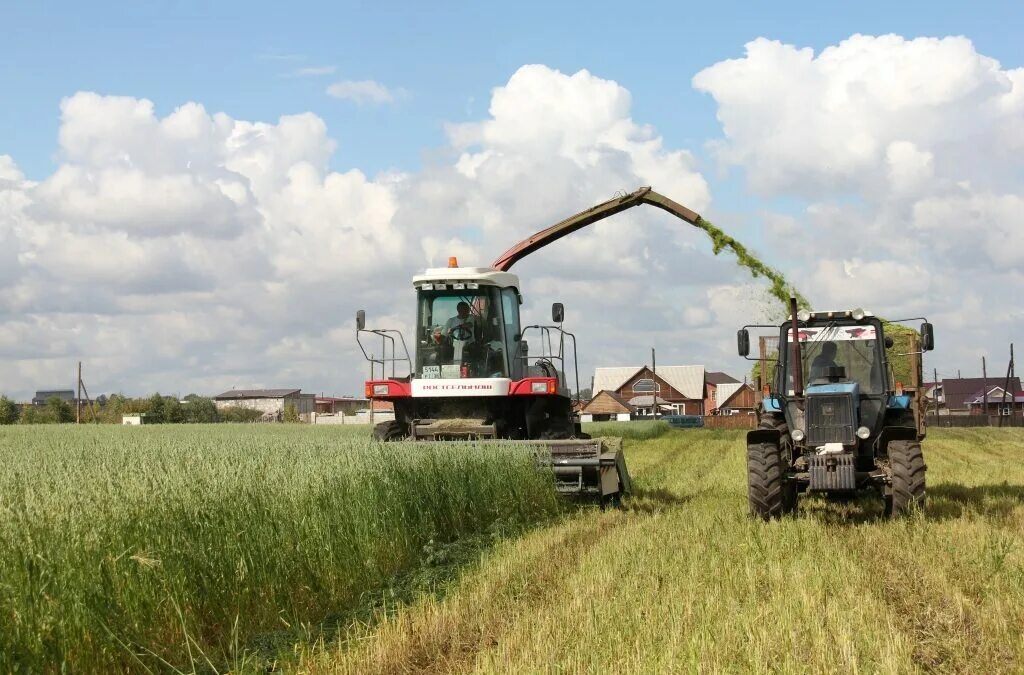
pixel 654 373
pixel 1006 386
pixel 984 392
pixel 935 390
pixel 1010 375
pixel 78 396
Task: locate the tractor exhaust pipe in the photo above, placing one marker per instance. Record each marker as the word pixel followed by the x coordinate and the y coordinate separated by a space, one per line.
pixel 798 366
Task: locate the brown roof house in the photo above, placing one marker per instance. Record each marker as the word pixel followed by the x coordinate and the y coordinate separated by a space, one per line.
pixel 607 406
pixel 956 392
pixel 735 399
pixel 714 380
pixel 676 390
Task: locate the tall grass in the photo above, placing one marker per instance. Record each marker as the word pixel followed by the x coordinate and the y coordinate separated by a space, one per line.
pixel 638 430
pixel 156 547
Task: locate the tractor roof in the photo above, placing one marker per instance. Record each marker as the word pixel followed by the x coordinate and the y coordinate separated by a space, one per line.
pixel 478 275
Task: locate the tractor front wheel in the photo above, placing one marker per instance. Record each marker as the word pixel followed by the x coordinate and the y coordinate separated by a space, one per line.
pixel 769 493
pixel 906 461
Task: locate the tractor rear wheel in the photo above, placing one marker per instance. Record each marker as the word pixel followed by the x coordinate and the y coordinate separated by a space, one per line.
pixel 906 461
pixel 769 493
pixel 389 431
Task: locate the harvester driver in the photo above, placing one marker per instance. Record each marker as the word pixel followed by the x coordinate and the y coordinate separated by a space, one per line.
pixel 460 327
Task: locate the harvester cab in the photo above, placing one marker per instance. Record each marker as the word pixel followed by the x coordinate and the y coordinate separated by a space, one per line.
pixel 834 418
pixel 472 375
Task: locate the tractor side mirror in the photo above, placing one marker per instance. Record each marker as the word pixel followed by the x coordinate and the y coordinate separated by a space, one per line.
pixel 557 312
pixel 743 342
pixel 361 319
pixel 927 337
pixel 889 342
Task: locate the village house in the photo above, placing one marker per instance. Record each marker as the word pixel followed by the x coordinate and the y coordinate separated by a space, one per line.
pixel 735 399
pixel 999 401
pixel 712 382
pixel 676 390
pixel 955 393
pixel 607 406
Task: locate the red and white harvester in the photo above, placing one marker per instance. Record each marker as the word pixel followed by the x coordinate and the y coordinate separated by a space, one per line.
pixel 474 377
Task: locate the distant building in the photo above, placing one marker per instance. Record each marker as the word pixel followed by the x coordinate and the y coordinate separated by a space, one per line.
pixel 606 406
pixel 1000 402
pixel 348 405
pixel 133 420
pixel 735 399
pixel 675 390
pixel 41 397
pixel 713 381
pixel 271 402
pixel 954 393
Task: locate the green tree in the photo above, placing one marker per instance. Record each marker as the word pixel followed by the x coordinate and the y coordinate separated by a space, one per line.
pixel 59 410
pixel 174 412
pixel 8 411
pixel 291 414
pixel 200 410
pixel 155 411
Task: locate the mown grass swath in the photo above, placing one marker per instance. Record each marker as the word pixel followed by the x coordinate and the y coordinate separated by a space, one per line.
pixel 122 548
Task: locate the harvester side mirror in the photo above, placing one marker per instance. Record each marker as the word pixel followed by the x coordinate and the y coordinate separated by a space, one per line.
pixel 743 342
pixel 889 342
pixel 927 337
pixel 557 312
pixel 361 319
pixel 524 349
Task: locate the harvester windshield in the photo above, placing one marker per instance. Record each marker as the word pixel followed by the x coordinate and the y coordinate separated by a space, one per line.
pixel 853 348
pixel 465 332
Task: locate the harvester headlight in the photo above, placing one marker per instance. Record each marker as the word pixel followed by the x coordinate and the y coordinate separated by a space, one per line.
pixel 804 315
pixel 863 433
pixel 858 314
pixel 539 387
pixel 798 435
pixel 381 390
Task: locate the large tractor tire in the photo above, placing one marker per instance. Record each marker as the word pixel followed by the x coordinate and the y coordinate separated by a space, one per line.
pixel 769 494
pixel 908 469
pixel 389 431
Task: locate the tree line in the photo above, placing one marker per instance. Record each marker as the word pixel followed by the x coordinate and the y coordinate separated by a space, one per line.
pixel 158 409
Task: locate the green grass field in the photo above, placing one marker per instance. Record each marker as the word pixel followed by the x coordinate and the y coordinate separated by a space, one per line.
pixel 683 580
pixel 230 548
pixel 181 548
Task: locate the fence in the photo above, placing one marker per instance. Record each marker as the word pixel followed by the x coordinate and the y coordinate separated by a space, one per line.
pixel 730 422
pixel 960 421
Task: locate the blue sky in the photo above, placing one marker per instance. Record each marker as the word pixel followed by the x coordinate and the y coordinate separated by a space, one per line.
pixel 219 249
pixel 237 58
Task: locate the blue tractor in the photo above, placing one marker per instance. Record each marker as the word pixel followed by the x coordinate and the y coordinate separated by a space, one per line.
pixel 850 427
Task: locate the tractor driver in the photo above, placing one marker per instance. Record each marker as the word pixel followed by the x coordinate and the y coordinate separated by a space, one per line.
pixel 460 327
pixel 823 361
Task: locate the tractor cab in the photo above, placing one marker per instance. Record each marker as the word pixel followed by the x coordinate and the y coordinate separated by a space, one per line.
pixel 848 382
